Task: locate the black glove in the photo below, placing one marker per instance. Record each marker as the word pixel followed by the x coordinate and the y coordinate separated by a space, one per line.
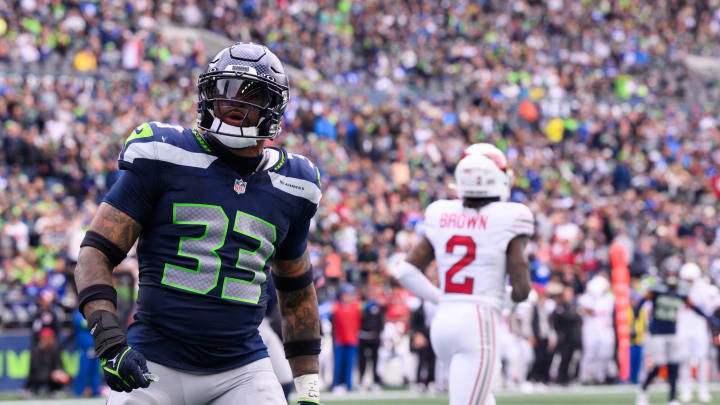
pixel 124 368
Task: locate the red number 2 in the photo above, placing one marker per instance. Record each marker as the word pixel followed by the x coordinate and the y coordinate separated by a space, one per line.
pixel 466 287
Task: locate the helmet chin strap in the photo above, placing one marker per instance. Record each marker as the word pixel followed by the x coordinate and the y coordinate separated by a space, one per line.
pixel 236 142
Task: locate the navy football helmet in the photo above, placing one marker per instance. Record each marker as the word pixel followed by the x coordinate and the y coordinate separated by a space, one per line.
pixel 243 94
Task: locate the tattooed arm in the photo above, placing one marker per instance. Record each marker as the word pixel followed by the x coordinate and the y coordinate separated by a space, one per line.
pixel 93 267
pixel 299 310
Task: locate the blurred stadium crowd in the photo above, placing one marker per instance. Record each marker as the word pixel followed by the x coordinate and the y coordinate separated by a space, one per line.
pixel 611 136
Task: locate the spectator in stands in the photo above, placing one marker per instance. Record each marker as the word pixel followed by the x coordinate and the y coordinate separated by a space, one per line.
pixel 46 370
pixel 346 318
pixel 637 336
pixel 45 316
pixel 538 328
pixel 567 323
pixel 420 320
pixel 371 325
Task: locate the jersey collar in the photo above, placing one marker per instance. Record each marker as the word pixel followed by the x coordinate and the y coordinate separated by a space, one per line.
pixel 273 158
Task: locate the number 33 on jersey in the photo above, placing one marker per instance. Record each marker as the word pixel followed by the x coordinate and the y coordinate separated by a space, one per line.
pixel 470 246
pixel 207 238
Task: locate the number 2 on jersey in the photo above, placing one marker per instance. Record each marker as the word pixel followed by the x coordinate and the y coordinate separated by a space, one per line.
pixel 466 287
pixel 204 277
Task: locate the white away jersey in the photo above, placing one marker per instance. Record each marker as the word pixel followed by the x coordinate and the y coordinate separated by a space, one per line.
pixel 599 311
pixel 689 322
pixel 470 246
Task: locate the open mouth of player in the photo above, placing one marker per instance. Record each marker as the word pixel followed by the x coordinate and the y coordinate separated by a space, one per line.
pixel 235 118
pixel 239 117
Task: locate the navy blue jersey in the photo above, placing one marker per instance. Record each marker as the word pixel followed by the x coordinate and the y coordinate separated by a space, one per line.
pixel 208 236
pixel 666 304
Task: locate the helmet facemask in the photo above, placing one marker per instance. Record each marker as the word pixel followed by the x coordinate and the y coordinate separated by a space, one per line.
pixel 239 108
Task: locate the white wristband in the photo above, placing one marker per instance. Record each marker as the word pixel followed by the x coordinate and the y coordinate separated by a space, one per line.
pixel 308 388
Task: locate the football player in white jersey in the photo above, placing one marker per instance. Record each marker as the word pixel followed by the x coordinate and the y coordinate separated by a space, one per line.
pixel 598 338
pixel 694 335
pixel 477 241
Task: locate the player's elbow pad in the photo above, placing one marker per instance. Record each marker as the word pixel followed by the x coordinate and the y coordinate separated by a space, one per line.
pixel 113 252
pixel 414 280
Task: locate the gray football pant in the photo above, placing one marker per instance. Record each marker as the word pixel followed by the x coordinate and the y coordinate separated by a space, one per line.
pixel 275 349
pixel 252 384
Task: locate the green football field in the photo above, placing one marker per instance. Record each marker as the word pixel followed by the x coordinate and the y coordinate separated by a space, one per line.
pixel 609 395
pixel 612 395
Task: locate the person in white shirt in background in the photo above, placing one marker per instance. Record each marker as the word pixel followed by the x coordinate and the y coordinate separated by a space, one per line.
pixel 598 337
pixel 694 334
pixel 516 350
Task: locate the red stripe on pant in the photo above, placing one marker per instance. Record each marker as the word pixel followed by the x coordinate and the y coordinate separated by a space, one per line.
pixel 482 354
pixel 492 357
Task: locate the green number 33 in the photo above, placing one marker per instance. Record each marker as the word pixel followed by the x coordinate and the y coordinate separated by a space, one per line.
pixel 204 277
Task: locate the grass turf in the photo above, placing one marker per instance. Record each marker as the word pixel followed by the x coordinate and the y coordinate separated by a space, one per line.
pixel 572 396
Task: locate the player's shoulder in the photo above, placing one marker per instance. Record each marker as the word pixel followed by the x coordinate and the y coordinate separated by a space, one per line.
pixel 514 216
pixel 513 210
pixel 297 175
pixel 298 166
pixel 162 142
pixel 443 205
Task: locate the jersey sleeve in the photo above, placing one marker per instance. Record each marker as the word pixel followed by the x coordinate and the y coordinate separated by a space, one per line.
pixel 295 242
pixel 523 222
pixel 431 221
pixel 134 195
pixel 134 192
pixel 307 177
pixel 138 152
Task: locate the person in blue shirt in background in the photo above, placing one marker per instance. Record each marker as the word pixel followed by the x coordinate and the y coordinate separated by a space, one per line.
pixel 89 372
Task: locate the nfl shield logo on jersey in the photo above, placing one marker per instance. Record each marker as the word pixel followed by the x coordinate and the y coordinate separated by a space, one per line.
pixel 240 186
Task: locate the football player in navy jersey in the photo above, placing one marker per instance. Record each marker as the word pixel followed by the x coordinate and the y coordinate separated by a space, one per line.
pixel 214 210
pixel 663 344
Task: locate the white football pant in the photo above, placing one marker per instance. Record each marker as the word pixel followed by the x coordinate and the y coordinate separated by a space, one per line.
pixel 276 351
pixel 597 355
pixel 697 347
pixel 463 336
